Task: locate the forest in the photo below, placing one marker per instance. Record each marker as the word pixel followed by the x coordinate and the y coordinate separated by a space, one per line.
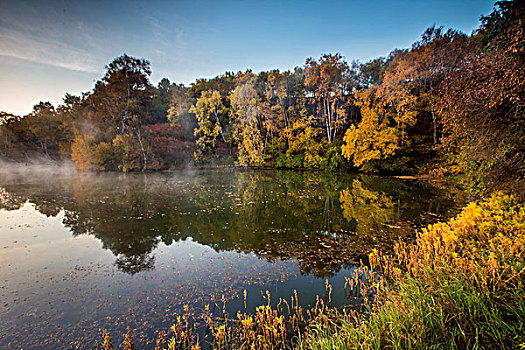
pixel 452 104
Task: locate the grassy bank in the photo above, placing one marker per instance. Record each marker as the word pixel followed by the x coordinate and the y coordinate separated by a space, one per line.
pixel 460 285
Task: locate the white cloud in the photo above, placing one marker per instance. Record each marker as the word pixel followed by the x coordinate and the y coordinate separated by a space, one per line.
pixel 48 36
pixel 46 51
pixel 160 52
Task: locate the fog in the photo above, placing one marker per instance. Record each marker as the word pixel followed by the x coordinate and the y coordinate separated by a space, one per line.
pixel 35 165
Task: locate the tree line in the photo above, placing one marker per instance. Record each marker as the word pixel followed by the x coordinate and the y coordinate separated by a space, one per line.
pixel 452 103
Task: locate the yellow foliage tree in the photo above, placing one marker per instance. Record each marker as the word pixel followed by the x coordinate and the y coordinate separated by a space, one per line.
pixel 251 147
pixel 208 110
pixel 373 138
pixel 397 90
pixel 81 154
pixel 246 109
pixel 126 150
pixel 302 139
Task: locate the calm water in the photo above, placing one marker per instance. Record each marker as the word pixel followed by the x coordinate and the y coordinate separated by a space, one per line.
pixel 84 252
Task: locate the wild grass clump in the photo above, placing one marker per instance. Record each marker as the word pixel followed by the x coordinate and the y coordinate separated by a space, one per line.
pixel 460 285
pixel 267 328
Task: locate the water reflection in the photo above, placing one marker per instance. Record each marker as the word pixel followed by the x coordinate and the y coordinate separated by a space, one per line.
pixel 85 252
pixel 324 221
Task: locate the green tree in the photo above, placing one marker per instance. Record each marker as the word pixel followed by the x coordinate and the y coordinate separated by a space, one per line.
pixel 161 102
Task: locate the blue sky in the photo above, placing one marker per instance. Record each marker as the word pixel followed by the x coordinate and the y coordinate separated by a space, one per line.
pixel 48 48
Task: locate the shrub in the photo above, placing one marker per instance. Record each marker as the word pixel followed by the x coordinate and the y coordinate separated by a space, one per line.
pixel 289 161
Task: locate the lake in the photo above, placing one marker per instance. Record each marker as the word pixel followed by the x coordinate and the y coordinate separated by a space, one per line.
pixel 80 252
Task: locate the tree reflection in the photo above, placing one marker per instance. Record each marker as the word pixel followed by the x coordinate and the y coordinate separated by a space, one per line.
pixel 10 201
pixel 368 209
pixel 315 218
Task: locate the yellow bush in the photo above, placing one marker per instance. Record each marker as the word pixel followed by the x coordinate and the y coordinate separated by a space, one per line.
pixel 485 242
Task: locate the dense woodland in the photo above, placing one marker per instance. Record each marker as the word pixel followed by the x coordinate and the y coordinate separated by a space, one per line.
pixel 450 104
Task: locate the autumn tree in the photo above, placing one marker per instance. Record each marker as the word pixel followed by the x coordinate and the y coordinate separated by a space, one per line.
pixel 45 127
pixel 371 73
pixel 303 142
pixel 329 90
pixel 396 90
pixel 451 93
pixel 483 103
pixel 120 96
pixel 9 138
pixel 224 84
pixel 246 110
pixel 209 111
pixel 72 121
pixel 435 56
pixel 374 138
pixel 179 114
pixel 284 97
pixel 120 104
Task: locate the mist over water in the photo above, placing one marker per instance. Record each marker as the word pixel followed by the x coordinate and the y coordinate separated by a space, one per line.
pixel 82 252
pixel 35 165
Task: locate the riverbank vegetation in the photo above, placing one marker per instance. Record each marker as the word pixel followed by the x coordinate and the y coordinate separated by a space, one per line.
pixel 450 104
pixel 460 285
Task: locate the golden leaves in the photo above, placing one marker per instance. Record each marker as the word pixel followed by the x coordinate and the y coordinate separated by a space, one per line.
pixel 373 138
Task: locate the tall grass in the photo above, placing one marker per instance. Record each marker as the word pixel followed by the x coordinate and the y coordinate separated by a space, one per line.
pixel 267 328
pixel 460 285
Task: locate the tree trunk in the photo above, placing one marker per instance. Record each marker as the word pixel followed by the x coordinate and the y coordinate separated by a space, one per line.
pixel 434 124
pixel 220 126
pixel 142 150
pixel 127 107
pixel 327 120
